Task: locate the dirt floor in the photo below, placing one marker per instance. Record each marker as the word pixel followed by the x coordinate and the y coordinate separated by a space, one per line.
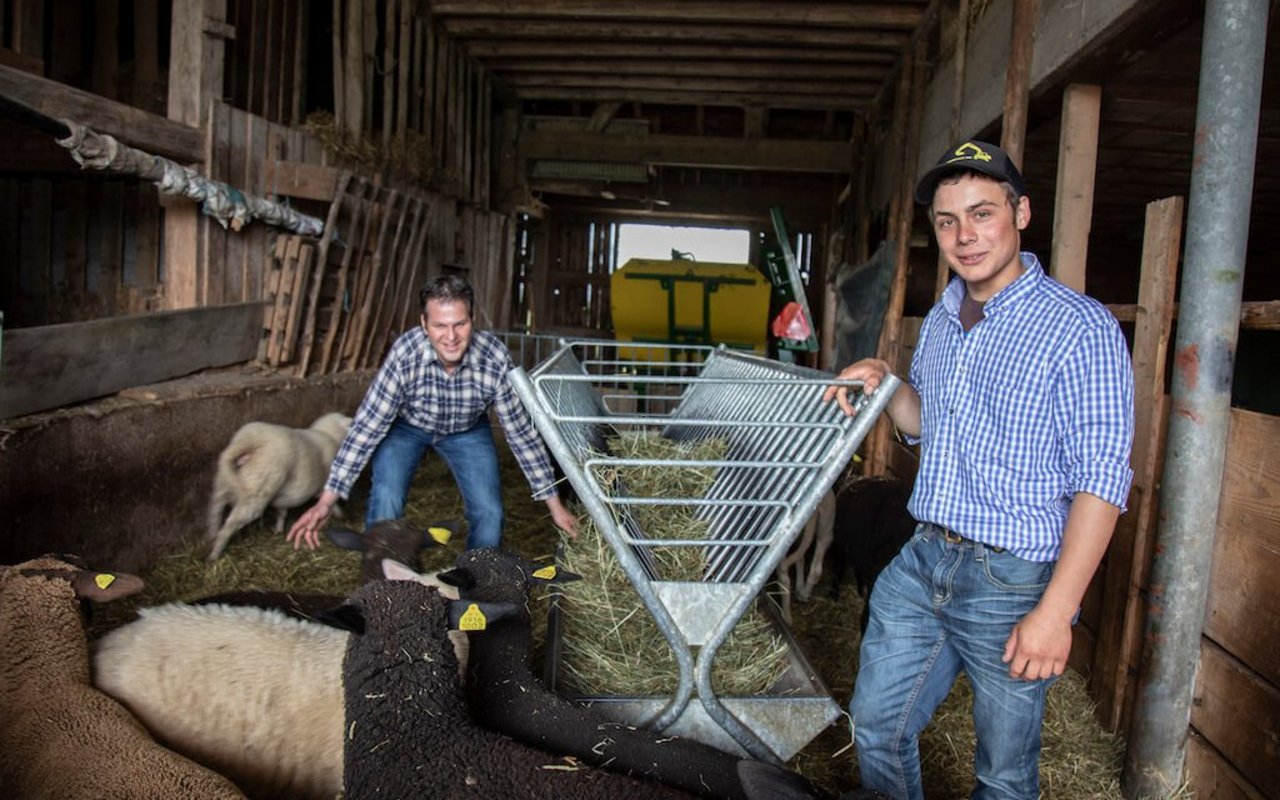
pixel 1080 760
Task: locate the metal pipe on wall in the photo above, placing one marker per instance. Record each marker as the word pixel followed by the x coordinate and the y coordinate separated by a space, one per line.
pixel 1233 51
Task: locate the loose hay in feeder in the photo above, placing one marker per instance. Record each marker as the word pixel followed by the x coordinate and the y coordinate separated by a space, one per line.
pixel 610 644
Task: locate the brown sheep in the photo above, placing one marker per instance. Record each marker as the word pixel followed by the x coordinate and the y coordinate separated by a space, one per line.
pixel 59 737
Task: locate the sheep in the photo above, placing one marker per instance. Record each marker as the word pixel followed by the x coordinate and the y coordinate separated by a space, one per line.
pixel 818 528
pixel 249 683
pixel 60 737
pixel 270 465
pixel 872 524
pixel 249 692
pixel 504 694
pixel 395 539
pixel 409 733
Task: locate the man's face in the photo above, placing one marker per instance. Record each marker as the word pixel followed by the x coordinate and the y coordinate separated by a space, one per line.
pixel 979 232
pixel 448 327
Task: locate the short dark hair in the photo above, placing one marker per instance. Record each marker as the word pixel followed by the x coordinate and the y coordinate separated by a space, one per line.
pixel 448 288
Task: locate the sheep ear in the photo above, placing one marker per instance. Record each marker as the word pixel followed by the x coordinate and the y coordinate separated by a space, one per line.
pixel 344 618
pixel 439 532
pixel 101 587
pixel 470 615
pixel 393 570
pixel 553 574
pixel 459 577
pixel 345 538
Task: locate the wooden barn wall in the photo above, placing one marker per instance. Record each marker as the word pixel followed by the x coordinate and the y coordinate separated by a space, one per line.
pixel 1235 716
pixel 79 248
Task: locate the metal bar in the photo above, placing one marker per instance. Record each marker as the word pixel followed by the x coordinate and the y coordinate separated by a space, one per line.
pixel 1233 52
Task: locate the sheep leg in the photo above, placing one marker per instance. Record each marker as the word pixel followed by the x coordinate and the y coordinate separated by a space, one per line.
pixel 243 513
pixel 823 521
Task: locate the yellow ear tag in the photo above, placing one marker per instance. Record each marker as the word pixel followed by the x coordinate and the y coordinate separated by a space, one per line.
pixel 472 619
pixel 104 579
pixel 546 573
pixel 441 535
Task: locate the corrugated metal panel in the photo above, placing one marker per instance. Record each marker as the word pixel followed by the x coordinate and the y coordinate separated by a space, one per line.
pixel 591 171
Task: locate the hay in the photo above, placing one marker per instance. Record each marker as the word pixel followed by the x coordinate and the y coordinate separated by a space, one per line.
pixel 1080 760
pixel 611 645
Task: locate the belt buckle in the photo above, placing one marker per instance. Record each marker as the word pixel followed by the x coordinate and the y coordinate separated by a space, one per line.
pixel 951 536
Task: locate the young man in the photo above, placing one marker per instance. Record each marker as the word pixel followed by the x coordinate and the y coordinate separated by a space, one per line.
pixel 1021 398
pixel 434 392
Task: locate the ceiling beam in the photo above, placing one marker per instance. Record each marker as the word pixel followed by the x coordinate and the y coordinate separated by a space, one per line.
pixel 747 85
pixel 570 31
pixel 790 100
pixel 489 49
pixel 782 155
pixel 699 69
pixel 769 12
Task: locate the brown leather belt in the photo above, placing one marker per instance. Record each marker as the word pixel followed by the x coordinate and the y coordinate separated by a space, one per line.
pixel 955 538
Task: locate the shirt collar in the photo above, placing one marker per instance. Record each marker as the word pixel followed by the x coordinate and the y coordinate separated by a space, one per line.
pixel 1024 284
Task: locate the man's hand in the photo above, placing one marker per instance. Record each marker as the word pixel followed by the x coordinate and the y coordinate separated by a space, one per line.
pixel 1039 646
pixel 870 371
pixel 562 517
pixel 306 530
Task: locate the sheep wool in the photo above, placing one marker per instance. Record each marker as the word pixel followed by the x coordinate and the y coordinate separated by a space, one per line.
pixel 505 695
pixel 409 733
pixel 250 692
pixel 59 737
pixel 270 465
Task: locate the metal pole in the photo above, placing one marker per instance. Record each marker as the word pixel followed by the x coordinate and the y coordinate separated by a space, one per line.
pixel 1231 66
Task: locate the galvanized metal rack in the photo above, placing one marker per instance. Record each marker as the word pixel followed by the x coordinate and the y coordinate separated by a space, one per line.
pixel 785 448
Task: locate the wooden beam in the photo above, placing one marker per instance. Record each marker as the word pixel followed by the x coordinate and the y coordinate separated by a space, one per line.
pixel 1255 315
pixel 465 29
pixel 53 365
pixel 1017 84
pixel 575 63
pixel 697 96
pixel 196 47
pixel 1073 201
pixel 850 15
pixel 748 85
pixel 530 50
pixel 140 129
pixel 691 151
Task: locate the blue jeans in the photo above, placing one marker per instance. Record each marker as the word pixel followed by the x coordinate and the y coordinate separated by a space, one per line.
pixel 472 458
pixel 938 609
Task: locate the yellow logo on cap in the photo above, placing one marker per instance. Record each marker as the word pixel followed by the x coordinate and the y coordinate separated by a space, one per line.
pixel 440 535
pixel 545 574
pixel 968 152
pixel 472 619
pixel 104 579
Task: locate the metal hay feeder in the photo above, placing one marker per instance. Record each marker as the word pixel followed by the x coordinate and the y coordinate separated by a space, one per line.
pixel 785 449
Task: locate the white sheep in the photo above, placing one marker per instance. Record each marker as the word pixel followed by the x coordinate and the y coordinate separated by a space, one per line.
pixel 249 692
pixel 60 737
pixel 270 465
pixel 812 546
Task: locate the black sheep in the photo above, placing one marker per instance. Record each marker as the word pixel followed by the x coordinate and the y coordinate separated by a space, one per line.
pixel 872 525
pixel 504 694
pixel 409 733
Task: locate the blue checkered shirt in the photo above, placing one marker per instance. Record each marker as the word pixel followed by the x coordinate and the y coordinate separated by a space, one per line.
pixel 413 386
pixel 1031 406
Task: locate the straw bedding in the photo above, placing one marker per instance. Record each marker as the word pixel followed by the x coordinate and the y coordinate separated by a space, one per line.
pixel 1080 761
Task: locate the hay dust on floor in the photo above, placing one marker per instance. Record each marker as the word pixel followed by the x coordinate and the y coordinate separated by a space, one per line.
pixel 1080 761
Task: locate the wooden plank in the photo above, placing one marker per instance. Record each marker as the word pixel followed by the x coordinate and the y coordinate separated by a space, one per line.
pixel 256 237
pixel 65 63
pixel 306 181
pixel 278 281
pixel 1238 714
pixel 394 252
pixel 306 262
pixel 1073 199
pixel 1129 555
pixel 1209 775
pixel 35 245
pixel 105 74
pixel 353 68
pixel 390 25
pixel 1257 315
pixel 54 365
pixel 673 150
pixel 317 277
pixel 1243 608
pixel 110 214
pixel 375 279
pixel 403 65
pixel 72 198
pixel 357 234
pixel 1017 81
pixel 339 67
pixel 196 66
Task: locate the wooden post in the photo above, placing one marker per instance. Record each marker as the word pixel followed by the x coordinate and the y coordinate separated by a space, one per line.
pixel 1073 204
pixel 957 105
pixel 196 64
pixel 1017 81
pixel 1128 558
pixel 910 90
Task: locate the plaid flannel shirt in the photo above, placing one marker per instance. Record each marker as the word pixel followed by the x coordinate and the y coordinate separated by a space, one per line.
pixel 413 386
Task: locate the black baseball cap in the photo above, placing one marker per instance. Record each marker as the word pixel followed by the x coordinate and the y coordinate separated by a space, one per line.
pixel 971 155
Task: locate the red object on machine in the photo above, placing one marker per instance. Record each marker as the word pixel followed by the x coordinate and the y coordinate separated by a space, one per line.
pixel 791 323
